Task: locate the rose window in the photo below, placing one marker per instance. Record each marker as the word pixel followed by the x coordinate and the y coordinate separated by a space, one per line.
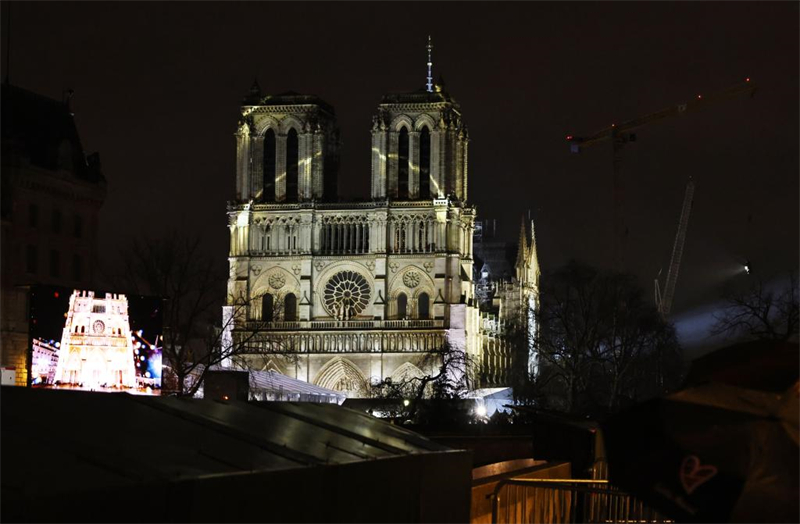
pixel 346 295
pixel 277 281
pixel 411 279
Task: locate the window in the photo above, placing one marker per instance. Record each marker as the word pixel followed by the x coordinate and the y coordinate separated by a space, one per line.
pixel 292 168
pixel 425 163
pixel 55 264
pixel 78 229
pixel 33 215
pixel 266 308
pixel 423 306
pixel 402 165
pixel 290 305
pixel 56 221
pixel 268 193
pixel 32 260
pixel 76 267
pixel 98 308
pixel 402 306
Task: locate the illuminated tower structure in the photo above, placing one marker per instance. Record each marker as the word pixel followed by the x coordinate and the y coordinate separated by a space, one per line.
pixel 356 292
pixel 96 348
pixel 527 290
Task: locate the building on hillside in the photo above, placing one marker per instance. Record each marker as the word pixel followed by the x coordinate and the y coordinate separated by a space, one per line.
pixel 356 292
pixel 51 198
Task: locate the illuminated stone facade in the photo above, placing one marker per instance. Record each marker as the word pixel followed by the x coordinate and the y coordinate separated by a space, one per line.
pixel 52 192
pixel 96 349
pixel 356 291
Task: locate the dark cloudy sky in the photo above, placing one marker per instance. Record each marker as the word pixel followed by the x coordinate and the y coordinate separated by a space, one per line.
pixel 157 87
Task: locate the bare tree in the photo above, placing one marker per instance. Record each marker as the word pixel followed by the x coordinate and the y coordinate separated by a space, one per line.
pixel 196 336
pixel 761 311
pixel 596 332
pixel 454 375
pixel 635 330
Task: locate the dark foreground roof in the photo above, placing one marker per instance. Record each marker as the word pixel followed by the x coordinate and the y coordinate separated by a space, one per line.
pixel 74 446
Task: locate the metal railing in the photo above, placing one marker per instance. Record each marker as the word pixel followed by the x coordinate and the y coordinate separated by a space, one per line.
pixel 566 500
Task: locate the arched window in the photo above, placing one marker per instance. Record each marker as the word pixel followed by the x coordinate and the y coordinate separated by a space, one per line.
pixel 268 193
pixel 402 306
pixel 402 165
pixel 290 307
pixel 267 308
pixel 424 306
pixel 292 168
pixel 425 163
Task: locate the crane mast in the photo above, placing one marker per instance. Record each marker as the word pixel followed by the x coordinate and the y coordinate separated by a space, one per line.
pixel 621 134
pixel 664 302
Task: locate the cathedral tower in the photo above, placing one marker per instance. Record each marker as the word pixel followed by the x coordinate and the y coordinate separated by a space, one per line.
pixel 287 148
pixel 419 147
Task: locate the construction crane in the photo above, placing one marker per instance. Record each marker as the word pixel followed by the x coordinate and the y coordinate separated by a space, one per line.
pixel 621 134
pixel 664 302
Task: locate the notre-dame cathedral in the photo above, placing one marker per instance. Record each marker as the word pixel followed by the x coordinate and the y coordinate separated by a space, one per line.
pixel 359 291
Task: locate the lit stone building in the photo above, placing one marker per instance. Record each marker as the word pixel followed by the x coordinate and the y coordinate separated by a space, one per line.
pixel 357 292
pixel 52 192
pixel 96 349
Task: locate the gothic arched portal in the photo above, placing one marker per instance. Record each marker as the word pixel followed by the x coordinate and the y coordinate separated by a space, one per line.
pixel 339 374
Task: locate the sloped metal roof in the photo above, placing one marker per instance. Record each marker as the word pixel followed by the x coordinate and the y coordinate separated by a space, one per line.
pixel 273 382
pixel 62 441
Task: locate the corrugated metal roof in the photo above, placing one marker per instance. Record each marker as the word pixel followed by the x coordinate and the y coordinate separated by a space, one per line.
pixel 61 441
pixel 276 383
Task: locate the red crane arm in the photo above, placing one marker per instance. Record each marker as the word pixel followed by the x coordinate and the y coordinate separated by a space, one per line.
pixel 677 110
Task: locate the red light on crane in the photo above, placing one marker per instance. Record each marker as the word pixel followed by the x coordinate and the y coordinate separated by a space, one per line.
pixel 569 137
pixel 699 97
pixel 747 79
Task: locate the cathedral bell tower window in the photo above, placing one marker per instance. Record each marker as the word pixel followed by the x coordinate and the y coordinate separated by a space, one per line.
pixel 425 164
pixel 290 308
pixel 424 306
pixel 268 193
pixel 402 165
pixel 266 308
pixel 402 306
pixel 292 165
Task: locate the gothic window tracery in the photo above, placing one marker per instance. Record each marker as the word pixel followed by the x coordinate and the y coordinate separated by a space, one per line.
pixel 269 166
pixel 423 306
pixel 290 307
pixel 267 308
pixel 402 306
pixel 402 165
pixel 292 165
pixel 425 164
pixel 346 295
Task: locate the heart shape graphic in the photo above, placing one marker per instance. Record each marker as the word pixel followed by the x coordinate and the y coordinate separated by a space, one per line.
pixel 693 474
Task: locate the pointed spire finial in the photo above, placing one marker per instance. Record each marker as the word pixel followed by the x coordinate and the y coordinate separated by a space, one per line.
pixel 522 252
pixel 429 85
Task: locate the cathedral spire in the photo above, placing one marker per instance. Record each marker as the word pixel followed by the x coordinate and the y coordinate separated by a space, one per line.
pixel 522 253
pixel 429 85
pixel 533 258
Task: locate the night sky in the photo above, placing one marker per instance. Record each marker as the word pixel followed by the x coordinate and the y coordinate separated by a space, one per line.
pixel 158 87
